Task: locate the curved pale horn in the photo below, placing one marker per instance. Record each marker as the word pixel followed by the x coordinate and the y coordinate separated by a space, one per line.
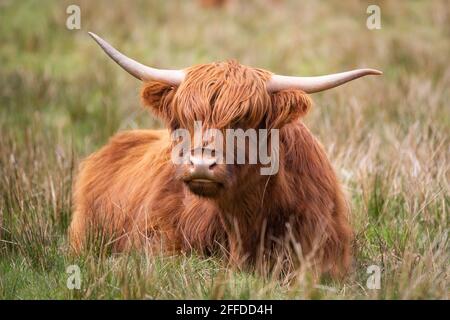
pixel 136 69
pixel 317 84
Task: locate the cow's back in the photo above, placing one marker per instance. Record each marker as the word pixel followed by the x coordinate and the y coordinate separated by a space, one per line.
pixel 116 183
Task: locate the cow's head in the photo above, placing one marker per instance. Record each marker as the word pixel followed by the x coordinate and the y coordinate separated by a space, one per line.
pixel 221 96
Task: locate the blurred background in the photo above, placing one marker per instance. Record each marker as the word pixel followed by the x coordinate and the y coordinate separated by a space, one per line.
pixel 61 98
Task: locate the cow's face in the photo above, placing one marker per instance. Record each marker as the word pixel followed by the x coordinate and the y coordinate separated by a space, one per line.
pixel 222 96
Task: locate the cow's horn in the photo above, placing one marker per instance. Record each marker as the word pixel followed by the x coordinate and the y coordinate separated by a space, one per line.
pixel 316 84
pixel 140 71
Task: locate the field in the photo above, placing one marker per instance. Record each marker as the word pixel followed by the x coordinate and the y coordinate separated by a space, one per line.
pixel 387 137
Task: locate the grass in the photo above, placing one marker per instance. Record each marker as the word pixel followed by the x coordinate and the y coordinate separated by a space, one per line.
pixel 388 138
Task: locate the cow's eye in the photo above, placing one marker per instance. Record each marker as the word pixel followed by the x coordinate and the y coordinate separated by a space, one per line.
pixel 174 126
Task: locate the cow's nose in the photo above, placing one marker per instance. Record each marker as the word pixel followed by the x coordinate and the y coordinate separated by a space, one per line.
pixel 202 165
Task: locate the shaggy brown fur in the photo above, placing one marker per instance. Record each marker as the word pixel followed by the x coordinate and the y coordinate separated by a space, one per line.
pixel 131 189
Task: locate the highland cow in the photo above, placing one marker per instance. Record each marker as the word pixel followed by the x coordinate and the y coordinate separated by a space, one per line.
pixel 132 190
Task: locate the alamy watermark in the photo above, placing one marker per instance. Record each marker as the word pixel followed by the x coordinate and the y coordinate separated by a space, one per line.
pixel 250 146
pixel 374 19
pixel 74 279
pixel 374 280
pixel 73 21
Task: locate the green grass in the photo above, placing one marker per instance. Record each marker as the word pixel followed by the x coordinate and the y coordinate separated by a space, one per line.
pixel 388 137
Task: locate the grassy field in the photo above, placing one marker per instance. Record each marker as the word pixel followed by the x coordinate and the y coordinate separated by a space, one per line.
pixel 388 137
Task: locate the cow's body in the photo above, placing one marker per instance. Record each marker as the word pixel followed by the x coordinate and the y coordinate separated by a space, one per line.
pixel 135 193
pixel 129 188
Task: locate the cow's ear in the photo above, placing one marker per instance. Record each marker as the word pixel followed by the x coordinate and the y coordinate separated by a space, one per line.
pixel 158 96
pixel 287 106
